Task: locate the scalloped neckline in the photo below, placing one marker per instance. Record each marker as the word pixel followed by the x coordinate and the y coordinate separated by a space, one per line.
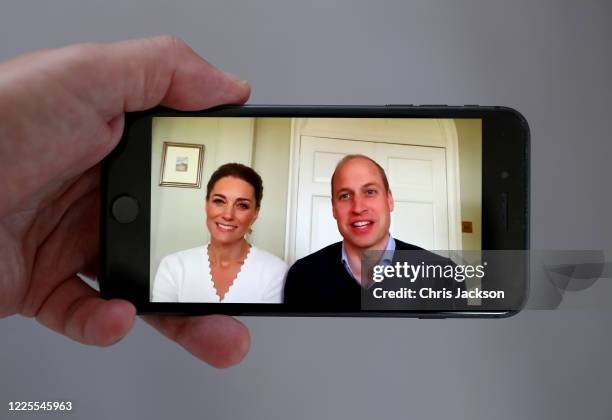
pixel 210 276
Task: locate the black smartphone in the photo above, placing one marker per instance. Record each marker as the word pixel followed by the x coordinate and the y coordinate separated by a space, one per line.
pixel 396 210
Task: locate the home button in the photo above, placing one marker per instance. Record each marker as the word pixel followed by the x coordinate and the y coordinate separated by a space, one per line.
pixel 125 209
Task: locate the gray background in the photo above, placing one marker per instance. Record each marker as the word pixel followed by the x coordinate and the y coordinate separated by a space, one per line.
pixel 549 59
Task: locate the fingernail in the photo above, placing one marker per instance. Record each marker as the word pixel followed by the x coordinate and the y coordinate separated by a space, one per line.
pixel 237 79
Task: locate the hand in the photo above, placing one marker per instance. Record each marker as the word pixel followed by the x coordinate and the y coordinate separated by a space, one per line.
pixel 62 112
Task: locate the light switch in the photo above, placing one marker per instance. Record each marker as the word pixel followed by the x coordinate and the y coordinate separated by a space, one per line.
pixel 466 227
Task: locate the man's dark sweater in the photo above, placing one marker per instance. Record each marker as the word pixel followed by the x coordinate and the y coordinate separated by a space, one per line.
pixel 320 282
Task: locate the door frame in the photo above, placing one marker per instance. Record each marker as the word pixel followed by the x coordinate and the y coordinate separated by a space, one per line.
pixel 444 134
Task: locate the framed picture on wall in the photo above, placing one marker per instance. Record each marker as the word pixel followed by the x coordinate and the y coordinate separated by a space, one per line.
pixel 181 165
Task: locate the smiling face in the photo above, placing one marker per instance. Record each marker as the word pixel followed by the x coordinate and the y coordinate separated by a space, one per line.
pixel 230 210
pixel 361 205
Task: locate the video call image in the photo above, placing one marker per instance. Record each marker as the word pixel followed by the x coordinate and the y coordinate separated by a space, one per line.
pixel 284 210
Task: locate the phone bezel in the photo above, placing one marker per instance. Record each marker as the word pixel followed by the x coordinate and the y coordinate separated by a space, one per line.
pixel 125 248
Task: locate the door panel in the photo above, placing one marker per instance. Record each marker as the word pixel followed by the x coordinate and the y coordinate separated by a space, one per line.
pixel 417 178
pixel 414 222
pixel 324 230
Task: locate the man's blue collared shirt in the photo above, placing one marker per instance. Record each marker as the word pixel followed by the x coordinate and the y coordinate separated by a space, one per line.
pixel 386 260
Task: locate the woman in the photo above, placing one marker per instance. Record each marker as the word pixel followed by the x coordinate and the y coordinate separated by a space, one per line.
pixel 228 269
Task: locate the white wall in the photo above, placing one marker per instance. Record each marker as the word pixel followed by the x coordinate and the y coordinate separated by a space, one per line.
pixel 469 132
pixel 271 161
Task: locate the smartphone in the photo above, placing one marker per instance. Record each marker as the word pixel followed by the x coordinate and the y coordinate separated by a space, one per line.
pixel 394 211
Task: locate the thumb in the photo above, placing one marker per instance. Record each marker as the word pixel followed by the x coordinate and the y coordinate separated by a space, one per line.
pixel 72 100
pixel 143 73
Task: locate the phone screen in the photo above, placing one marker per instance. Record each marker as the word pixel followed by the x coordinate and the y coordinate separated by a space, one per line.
pixel 398 183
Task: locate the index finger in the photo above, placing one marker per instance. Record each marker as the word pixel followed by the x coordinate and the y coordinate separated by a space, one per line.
pixel 219 340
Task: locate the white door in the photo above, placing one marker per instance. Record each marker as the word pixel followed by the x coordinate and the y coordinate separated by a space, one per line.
pixel 417 178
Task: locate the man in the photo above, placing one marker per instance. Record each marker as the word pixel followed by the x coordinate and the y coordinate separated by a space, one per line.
pixel 362 204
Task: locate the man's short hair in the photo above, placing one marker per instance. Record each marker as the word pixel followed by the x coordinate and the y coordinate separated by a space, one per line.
pixel 348 158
